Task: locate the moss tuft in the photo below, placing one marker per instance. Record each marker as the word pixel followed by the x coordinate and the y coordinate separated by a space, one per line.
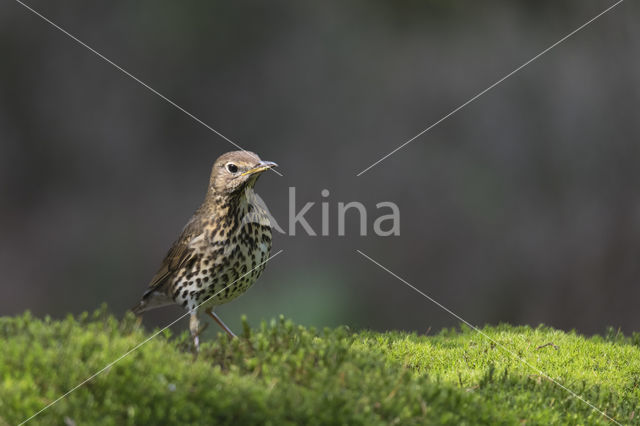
pixel 282 373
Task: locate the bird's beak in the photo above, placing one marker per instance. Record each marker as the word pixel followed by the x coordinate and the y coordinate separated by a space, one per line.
pixel 261 167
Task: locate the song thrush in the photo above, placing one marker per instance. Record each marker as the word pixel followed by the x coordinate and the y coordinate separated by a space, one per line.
pixel 223 248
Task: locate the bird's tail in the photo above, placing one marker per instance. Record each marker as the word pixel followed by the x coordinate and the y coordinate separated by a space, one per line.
pixel 150 300
pixel 139 308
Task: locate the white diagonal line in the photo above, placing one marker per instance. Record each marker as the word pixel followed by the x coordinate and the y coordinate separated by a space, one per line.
pixel 139 345
pixel 127 73
pixel 509 351
pixel 490 87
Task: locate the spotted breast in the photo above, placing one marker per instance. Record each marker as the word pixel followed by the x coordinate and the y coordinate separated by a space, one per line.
pixel 228 256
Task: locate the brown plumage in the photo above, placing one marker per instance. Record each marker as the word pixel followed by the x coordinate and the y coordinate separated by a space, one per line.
pixel 223 248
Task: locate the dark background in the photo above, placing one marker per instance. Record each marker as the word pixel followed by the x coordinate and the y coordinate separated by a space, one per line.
pixel 523 207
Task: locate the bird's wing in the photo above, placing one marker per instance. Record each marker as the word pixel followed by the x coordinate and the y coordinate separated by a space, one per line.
pixel 180 253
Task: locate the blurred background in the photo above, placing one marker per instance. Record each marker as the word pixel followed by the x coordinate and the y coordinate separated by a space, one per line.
pixel 524 207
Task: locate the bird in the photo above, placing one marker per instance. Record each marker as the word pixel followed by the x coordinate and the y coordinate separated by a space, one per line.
pixel 222 249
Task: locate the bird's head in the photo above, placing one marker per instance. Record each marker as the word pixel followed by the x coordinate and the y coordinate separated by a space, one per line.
pixel 236 171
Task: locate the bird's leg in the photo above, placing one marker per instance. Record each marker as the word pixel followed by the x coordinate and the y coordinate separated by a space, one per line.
pixel 203 328
pixel 194 328
pixel 220 323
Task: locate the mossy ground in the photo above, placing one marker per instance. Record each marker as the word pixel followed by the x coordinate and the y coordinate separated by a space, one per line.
pixel 281 373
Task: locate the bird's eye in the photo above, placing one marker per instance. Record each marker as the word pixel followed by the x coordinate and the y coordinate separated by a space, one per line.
pixel 232 168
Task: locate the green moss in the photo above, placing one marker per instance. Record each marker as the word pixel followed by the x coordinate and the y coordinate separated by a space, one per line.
pixel 281 373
